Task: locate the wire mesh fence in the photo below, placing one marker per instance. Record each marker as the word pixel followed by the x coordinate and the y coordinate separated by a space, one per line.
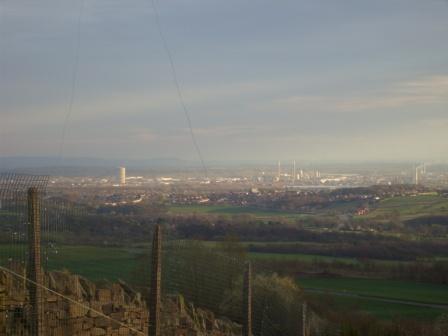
pixel 20 205
pixel 52 284
pixel 38 294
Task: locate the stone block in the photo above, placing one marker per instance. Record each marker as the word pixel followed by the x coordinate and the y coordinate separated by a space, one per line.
pixel 58 331
pixel 119 302
pixel 119 316
pixel 95 306
pixel 118 294
pixel 107 308
pixel 87 324
pixel 97 332
pixel 122 331
pixel 104 295
pixel 101 322
pixel 52 298
pixel 76 311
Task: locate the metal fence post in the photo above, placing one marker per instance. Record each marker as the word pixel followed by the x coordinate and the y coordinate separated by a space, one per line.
pixel 247 301
pixel 35 270
pixel 156 279
pixel 304 319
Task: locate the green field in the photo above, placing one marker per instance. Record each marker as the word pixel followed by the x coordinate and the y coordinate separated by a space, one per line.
pixel 388 289
pixel 272 256
pixel 97 263
pixel 7 213
pixel 112 263
pixel 406 207
pixel 94 263
pixel 382 310
pixel 228 210
pixel 374 290
pixel 298 257
pixel 411 206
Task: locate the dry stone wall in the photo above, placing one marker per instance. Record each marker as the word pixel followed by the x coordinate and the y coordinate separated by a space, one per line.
pixel 121 305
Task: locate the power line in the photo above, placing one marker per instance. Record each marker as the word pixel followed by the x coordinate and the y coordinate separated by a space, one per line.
pixel 74 82
pixel 2 69
pixel 177 85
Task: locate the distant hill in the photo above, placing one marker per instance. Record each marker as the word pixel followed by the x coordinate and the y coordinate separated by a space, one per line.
pixel 86 166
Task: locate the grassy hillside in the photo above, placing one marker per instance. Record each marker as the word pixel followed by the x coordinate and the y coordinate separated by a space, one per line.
pixel 389 289
pixel 229 210
pixel 382 310
pixel 408 207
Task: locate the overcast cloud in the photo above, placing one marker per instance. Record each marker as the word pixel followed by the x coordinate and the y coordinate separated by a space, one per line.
pixel 293 79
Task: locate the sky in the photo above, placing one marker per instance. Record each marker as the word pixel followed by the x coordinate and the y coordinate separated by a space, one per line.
pixel 318 80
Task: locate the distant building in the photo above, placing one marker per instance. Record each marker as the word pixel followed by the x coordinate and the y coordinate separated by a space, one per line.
pixel 254 191
pixel 417 175
pixel 362 211
pixel 122 175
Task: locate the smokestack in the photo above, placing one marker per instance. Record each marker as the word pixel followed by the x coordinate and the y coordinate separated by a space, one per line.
pixel 417 177
pixel 294 173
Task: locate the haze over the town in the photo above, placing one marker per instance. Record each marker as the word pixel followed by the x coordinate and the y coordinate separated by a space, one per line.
pixel 315 80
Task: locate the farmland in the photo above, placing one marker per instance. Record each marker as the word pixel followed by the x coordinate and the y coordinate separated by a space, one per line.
pixel 94 263
pixel 298 257
pixel 408 207
pixel 379 309
pixel 399 208
pixel 112 263
pixel 354 270
pixel 228 210
pixel 380 288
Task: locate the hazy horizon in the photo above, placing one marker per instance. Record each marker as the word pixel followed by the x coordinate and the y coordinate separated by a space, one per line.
pixel 56 161
pixel 307 80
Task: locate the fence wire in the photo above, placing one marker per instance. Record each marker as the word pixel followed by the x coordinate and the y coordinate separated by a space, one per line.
pixel 38 300
pixel 79 293
pixel 209 275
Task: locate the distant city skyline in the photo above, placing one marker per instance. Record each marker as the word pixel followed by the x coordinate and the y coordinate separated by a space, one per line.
pixel 305 80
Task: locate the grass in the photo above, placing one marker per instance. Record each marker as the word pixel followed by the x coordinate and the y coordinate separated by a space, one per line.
pixel 381 310
pixel 229 210
pixel 94 263
pixel 411 206
pixel 343 206
pixel 298 257
pixel 270 256
pixel 97 263
pixel 112 263
pixel 7 213
pixel 388 289
pixel 406 207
